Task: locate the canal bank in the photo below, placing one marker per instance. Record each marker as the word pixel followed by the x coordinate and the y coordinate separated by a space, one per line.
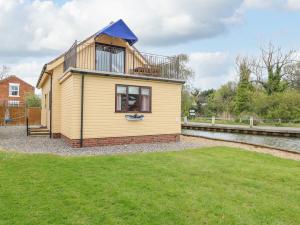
pixel 213 143
pixel 239 129
pixel 277 143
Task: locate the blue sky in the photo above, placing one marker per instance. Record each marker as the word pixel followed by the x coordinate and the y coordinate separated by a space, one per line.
pixel 212 32
pixel 259 27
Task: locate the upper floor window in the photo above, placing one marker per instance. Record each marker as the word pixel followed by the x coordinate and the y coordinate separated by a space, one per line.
pixel 133 98
pixel 14 90
pixel 110 58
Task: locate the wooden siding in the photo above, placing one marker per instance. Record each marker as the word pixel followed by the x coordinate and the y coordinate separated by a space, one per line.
pixel 56 98
pixel 86 56
pixel 86 53
pixel 66 109
pixel 76 106
pixel 100 119
pixel 45 112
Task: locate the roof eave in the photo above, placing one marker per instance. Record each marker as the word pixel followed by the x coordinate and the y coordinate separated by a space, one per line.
pixel 41 75
pixel 120 75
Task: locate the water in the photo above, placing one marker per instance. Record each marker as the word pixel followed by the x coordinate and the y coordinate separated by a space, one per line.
pixel 292 144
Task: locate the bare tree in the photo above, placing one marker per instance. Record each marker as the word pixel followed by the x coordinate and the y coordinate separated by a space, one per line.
pixel 294 78
pixel 4 72
pixel 276 65
pixel 184 71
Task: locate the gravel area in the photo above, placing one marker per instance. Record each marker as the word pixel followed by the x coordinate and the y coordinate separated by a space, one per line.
pixel 15 139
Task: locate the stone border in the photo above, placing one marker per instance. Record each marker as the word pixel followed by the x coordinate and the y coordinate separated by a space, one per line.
pixel 245 143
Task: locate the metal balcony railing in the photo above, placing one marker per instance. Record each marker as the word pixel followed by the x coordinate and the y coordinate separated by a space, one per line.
pixel 107 58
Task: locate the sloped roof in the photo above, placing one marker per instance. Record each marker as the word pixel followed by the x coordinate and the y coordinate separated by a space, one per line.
pixel 119 29
pixel 14 76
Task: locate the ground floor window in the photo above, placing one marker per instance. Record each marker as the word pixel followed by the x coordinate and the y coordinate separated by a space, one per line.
pixel 133 98
pixel 13 103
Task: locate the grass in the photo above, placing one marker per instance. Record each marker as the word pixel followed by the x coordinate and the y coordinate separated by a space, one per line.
pixel 208 186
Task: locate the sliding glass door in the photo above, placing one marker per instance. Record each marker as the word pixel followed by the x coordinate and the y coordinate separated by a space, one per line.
pixel 110 58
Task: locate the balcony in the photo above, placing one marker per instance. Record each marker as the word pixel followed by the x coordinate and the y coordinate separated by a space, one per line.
pixel 106 58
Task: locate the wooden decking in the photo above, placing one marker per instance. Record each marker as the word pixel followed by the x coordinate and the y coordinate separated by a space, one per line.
pixel 268 131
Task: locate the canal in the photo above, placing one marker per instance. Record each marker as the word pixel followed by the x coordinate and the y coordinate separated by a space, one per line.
pixel 291 144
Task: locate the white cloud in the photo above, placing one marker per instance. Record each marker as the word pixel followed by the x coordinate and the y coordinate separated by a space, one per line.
pixel 28 71
pixel 293 4
pixel 42 27
pixel 212 69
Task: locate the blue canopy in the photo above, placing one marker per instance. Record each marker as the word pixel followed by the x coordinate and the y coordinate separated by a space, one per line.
pixel 119 29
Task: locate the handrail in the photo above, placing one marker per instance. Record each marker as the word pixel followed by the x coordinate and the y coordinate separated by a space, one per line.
pixel 98 56
pixel 27 126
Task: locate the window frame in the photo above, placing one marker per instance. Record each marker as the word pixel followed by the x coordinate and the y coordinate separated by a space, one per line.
pixel 126 105
pixel 13 103
pixel 10 91
pixel 110 57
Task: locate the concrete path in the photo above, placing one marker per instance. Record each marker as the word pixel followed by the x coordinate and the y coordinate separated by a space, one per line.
pixel 262 128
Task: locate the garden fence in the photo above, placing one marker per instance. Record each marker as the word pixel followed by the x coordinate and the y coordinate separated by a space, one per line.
pixel 18 114
pixel 250 121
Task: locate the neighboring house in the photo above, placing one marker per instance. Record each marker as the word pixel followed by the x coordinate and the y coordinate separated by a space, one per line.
pixel 13 91
pixel 103 91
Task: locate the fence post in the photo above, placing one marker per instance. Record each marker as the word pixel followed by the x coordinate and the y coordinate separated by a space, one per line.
pixel 251 122
pixel 213 121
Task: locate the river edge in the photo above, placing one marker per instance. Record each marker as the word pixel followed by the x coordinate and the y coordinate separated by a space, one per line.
pixel 267 150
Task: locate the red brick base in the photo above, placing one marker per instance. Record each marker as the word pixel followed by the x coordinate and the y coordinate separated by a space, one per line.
pixel 92 142
pixel 56 135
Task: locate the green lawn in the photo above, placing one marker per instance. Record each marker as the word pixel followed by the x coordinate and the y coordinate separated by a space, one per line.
pixel 207 186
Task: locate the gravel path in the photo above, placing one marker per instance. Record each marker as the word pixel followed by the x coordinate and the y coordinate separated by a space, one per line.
pixel 15 139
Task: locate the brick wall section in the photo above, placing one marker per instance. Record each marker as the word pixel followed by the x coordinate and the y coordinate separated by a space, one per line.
pixel 24 89
pixel 93 142
pixel 56 135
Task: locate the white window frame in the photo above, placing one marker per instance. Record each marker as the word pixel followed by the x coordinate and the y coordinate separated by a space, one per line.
pixel 10 90
pixel 13 103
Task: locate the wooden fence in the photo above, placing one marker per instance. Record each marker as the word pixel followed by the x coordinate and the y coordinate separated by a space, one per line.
pixel 34 116
pixel 18 115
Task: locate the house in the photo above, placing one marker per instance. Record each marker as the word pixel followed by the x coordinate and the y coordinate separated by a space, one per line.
pixel 103 91
pixel 13 91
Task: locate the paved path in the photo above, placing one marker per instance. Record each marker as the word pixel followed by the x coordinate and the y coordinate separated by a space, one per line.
pixel 269 128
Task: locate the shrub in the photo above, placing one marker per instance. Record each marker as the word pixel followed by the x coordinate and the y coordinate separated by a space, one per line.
pixel 33 100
